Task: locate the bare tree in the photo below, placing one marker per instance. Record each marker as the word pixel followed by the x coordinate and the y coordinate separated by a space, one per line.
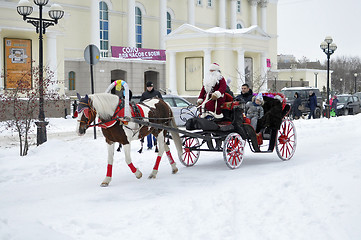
pixel 344 67
pixel 19 106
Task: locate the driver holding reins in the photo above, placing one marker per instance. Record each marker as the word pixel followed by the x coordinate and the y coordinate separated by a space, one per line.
pixel 212 95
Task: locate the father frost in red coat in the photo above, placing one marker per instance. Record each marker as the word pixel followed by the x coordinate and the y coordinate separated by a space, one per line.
pixel 214 88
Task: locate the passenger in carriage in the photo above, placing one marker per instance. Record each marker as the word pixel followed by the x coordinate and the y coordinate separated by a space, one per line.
pixel 212 95
pixel 246 94
pixel 254 110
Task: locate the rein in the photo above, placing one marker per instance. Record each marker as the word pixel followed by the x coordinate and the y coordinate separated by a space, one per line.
pixel 115 117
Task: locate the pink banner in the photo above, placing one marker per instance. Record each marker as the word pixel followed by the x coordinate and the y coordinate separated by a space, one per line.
pixel 138 53
pixel 268 62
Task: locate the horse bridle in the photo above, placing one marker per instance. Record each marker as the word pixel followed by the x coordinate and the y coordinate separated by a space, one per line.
pixel 88 110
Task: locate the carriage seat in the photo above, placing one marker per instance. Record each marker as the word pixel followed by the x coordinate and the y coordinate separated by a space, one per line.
pixel 228 102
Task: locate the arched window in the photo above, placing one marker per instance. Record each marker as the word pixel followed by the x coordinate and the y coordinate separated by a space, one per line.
pixel 138 27
pixel 104 28
pixel 71 80
pixel 239 26
pixel 169 23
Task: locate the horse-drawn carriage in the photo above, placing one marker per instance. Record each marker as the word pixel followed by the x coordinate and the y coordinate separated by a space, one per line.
pixel 274 131
pixel 154 116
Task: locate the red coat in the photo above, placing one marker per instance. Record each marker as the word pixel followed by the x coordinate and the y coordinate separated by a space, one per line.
pixel 220 88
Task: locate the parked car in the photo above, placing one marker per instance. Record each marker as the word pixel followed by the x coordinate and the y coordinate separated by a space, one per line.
pixel 304 95
pixel 177 103
pixel 348 104
pixel 358 94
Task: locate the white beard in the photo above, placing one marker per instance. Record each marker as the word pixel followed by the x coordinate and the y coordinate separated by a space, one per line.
pixel 211 79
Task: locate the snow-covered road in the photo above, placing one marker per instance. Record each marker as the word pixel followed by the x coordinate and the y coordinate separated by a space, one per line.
pixel 54 193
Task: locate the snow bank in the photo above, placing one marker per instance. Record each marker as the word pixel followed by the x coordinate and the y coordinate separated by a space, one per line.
pixel 54 193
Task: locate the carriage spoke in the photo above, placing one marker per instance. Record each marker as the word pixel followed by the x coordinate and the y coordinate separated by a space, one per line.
pixel 286 140
pixel 190 153
pixel 233 150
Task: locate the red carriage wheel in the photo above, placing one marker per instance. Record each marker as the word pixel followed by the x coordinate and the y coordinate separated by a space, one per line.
pixel 286 140
pixel 233 150
pixel 190 156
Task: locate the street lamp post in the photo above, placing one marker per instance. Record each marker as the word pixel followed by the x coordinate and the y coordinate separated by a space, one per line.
pixel 342 86
pixel 355 75
pixel 291 80
pixel 275 84
pixel 328 48
pixel 56 12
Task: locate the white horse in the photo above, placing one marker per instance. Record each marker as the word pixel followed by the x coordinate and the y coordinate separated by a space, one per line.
pixel 110 110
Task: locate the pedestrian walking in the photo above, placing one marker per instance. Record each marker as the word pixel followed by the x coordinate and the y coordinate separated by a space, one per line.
pixel 151 93
pixel 312 103
pixel 296 112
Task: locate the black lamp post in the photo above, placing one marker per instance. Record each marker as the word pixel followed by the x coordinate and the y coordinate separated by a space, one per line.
pixel 56 12
pixel 355 75
pixel 328 48
pixel 291 81
pixel 316 80
pixel 275 84
pixel 342 85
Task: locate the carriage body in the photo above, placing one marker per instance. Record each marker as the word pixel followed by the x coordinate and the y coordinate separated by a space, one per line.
pixel 274 132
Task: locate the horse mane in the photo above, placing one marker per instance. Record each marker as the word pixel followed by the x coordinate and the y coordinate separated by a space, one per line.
pixel 105 104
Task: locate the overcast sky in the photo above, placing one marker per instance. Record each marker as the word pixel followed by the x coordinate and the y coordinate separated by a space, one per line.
pixel 304 24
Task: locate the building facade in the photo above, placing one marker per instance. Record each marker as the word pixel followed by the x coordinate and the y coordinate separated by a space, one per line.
pixel 240 35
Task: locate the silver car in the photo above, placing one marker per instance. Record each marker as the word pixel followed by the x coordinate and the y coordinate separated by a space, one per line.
pixel 182 109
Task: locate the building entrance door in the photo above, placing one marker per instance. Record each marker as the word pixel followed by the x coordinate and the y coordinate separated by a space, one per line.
pixel 117 75
pixel 151 76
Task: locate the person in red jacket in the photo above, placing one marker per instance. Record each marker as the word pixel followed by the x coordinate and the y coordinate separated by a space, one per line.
pixel 212 95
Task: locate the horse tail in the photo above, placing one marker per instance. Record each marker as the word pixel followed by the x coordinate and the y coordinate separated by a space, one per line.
pixel 177 140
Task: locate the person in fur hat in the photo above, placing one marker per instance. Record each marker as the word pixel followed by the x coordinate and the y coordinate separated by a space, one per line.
pixel 212 94
pixel 254 110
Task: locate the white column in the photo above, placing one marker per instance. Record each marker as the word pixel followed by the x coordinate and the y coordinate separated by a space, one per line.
pixel 241 78
pixel 233 14
pixel 222 14
pixel 264 15
pixel 207 60
pixel 131 23
pixel 94 21
pixel 173 73
pixel 263 65
pixel 2 66
pixel 191 19
pixel 162 22
pixel 52 60
pixel 253 11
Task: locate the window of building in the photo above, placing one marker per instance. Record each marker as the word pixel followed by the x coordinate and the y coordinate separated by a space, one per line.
pixel 199 2
pixel 239 26
pixel 71 80
pixel 238 6
pixel 209 4
pixel 138 27
pixel 169 23
pixel 104 28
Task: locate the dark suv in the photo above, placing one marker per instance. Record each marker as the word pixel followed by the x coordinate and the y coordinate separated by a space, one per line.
pixel 303 92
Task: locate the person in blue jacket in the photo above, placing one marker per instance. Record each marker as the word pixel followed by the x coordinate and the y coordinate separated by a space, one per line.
pixel 312 103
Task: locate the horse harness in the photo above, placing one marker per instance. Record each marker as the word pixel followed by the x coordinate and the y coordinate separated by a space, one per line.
pixel 136 112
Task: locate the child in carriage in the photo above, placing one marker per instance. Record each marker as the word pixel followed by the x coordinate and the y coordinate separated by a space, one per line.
pixel 254 110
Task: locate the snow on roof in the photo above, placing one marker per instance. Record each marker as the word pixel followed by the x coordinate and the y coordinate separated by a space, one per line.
pixel 216 30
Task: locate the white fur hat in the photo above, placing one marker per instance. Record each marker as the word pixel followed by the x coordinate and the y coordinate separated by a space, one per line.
pixel 214 67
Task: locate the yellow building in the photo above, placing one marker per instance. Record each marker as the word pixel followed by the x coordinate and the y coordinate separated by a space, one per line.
pixel 240 35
